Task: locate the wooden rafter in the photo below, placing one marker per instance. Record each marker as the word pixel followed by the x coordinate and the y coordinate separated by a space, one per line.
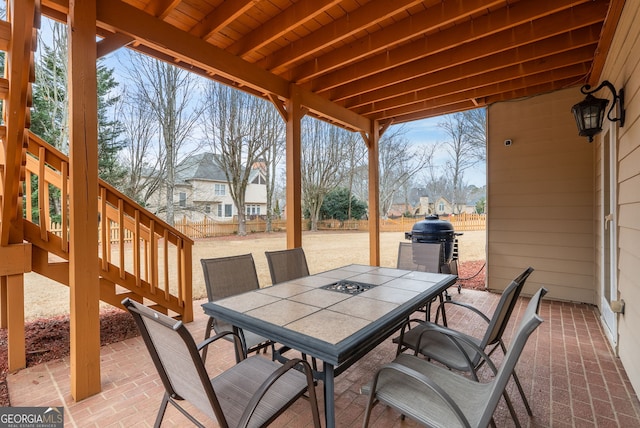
pixel 434 53
pixel 358 61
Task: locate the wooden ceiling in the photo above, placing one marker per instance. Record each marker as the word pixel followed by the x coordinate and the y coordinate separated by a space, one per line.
pixel 359 60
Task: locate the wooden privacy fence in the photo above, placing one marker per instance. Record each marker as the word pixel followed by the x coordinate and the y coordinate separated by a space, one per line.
pixel 208 228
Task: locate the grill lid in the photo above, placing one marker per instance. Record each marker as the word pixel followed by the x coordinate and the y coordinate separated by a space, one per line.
pixel 432 224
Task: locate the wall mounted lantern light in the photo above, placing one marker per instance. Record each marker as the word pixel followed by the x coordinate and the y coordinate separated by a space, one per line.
pixel 589 114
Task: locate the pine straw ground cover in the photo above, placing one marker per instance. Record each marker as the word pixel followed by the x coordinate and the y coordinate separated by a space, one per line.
pixel 48 338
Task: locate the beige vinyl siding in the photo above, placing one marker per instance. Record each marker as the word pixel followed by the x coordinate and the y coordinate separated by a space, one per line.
pixel 540 197
pixel 622 68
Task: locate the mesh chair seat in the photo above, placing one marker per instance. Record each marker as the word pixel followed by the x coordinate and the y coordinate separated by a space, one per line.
pixel 436 396
pixel 251 393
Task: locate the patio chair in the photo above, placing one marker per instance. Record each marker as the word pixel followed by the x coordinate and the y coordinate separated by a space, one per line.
pixel 460 351
pixel 285 265
pixel 422 257
pixel 226 277
pixel 436 396
pixel 251 393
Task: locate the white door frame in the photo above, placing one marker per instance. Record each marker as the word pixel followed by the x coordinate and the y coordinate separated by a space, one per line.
pixel 608 229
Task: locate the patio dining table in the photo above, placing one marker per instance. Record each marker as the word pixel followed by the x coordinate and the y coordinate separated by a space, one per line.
pixel 336 316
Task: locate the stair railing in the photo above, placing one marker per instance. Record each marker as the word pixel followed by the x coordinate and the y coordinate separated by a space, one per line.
pixel 137 250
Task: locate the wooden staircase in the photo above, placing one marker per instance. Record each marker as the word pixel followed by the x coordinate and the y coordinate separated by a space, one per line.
pixel 140 256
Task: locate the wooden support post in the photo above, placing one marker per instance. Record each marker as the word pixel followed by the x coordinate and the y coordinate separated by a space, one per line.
pixel 374 194
pixel 294 176
pixel 83 220
pixel 17 357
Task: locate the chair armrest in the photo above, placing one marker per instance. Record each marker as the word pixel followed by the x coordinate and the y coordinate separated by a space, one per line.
pixel 237 342
pixel 463 305
pixel 424 380
pixel 268 383
pixel 457 338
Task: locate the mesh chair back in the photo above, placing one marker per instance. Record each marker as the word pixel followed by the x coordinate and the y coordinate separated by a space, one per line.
pixel 228 276
pixel 285 265
pixel 176 357
pixel 504 309
pixel 419 256
pixel 530 321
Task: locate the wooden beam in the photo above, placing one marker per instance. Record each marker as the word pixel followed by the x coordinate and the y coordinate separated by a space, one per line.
pixel 15 108
pixel 83 179
pixel 15 259
pixel 5 35
pixel 296 15
pixel 117 16
pixel 340 29
pixel 17 357
pixel 503 66
pixel 443 98
pixel 220 17
pixel 161 8
pixel 327 109
pixel 529 73
pixel 374 194
pixel 293 208
pixel 481 37
pixel 112 43
pixel 438 16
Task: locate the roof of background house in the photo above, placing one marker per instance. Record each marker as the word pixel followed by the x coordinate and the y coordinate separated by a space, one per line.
pixel 203 166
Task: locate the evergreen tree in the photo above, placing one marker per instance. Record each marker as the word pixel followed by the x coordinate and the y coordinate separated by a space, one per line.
pixel 336 205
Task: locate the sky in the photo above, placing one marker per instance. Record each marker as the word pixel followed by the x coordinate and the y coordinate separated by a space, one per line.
pixel 427 131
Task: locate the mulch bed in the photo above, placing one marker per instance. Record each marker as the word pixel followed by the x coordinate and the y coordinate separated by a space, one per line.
pixel 48 338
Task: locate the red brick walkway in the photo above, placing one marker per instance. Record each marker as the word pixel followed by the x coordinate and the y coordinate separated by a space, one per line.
pixel 570 374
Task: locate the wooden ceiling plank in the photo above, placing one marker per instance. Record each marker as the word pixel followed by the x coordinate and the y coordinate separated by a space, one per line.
pixel 440 15
pixel 476 89
pixel 443 62
pixel 340 29
pixel 488 34
pixel 292 17
pixel 221 17
pixel 490 92
pixel 608 31
pixel 433 112
pixel 118 16
pixel 532 91
pixel 112 43
pixel 499 67
pixel 522 35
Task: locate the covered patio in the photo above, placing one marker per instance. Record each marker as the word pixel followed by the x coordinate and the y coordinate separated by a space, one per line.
pixel 569 372
pixel 568 207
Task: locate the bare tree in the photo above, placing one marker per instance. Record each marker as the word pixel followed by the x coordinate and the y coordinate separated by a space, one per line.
pixel 477 122
pixel 399 163
pixel 143 153
pixel 168 93
pixel 356 156
pixel 324 148
pixel 462 149
pixel 275 141
pixel 236 124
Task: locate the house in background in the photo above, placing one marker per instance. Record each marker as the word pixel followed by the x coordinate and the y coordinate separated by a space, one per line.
pixel 441 206
pixel 202 191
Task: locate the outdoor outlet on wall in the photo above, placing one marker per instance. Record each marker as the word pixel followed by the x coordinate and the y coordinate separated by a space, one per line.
pixel 507 143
